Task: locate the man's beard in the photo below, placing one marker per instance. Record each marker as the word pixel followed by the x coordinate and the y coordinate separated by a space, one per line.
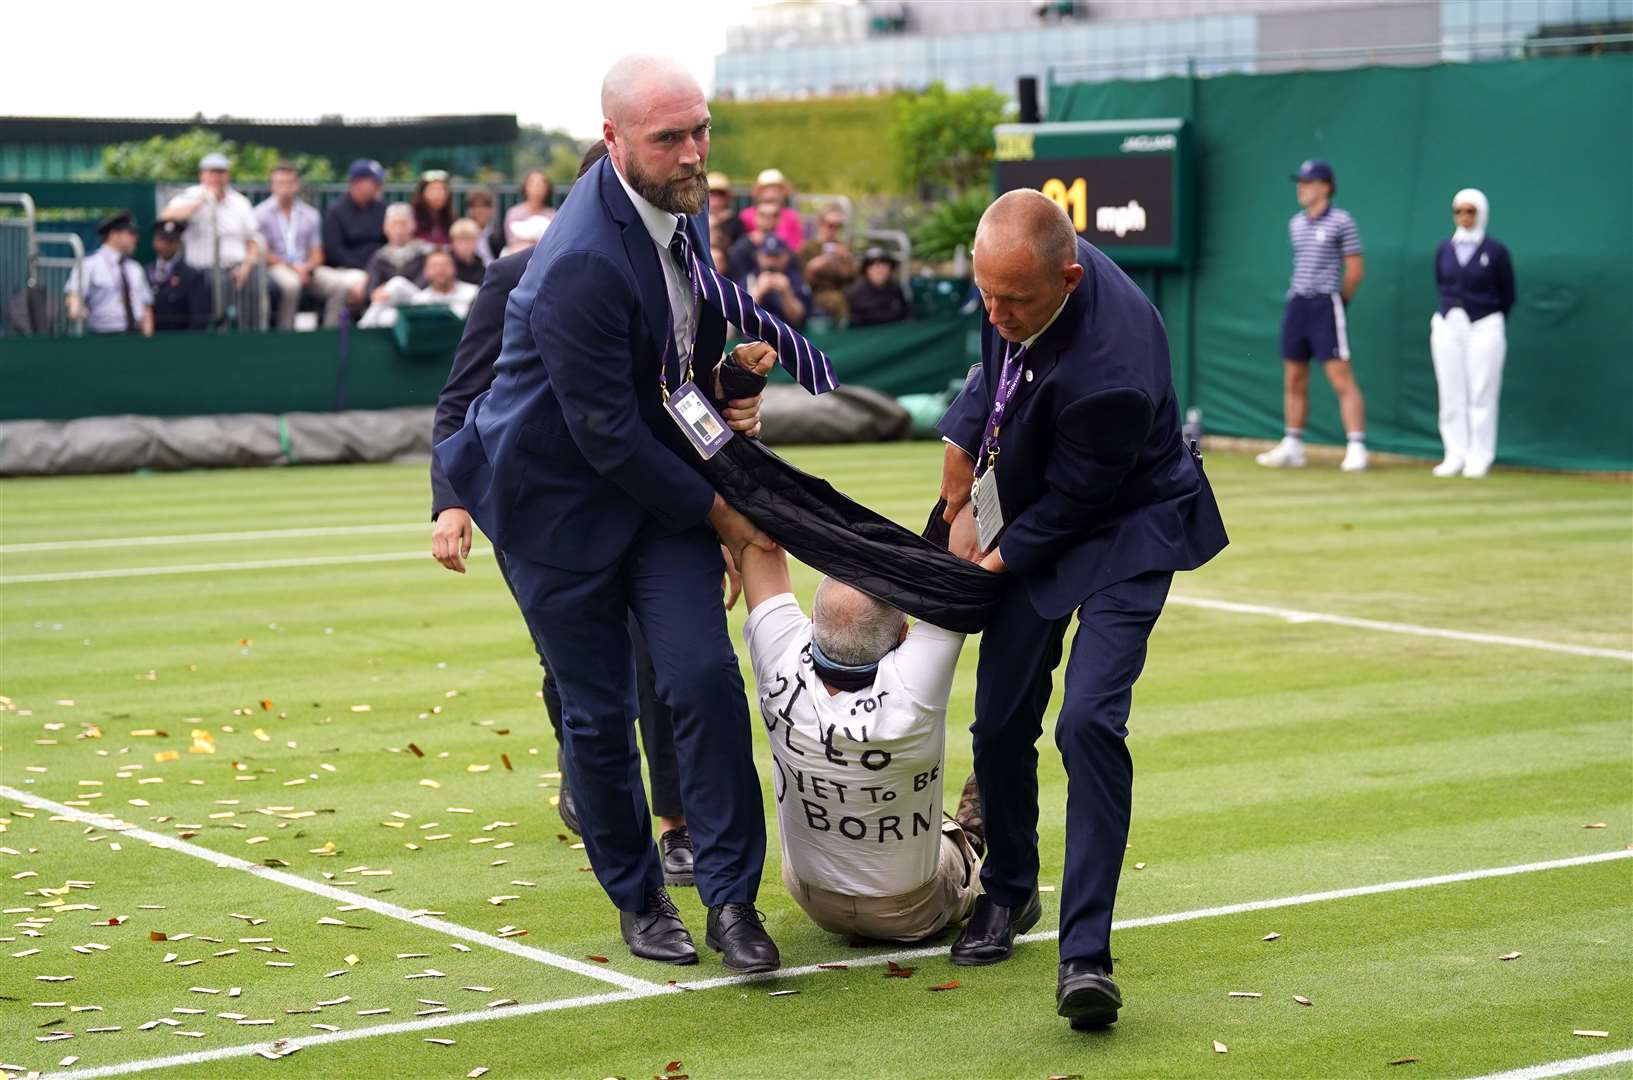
pixel 684 196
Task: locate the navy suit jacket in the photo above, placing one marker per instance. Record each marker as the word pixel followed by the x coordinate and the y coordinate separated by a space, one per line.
pixel 472 372
pixel 1484 285
pixel 1095 479
pixel 571 452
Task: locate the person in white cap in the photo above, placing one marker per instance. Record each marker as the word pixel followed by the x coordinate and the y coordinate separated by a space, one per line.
pixel 1468 336
pixel 222 233
pixel 772 184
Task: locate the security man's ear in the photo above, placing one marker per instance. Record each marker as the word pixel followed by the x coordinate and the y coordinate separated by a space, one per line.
pixel 1074 277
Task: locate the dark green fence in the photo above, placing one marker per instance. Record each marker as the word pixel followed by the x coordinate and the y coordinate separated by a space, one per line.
pixel 1550 142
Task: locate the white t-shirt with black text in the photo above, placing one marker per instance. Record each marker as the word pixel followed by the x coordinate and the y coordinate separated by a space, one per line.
pixel 858 781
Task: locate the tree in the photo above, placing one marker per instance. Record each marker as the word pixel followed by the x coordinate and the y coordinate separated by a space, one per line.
pixel 944 138
pixel 176 157
pixel 554 151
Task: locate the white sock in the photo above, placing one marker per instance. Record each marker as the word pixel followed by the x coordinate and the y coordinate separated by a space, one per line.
pixel 1294 436
pixel 1358 437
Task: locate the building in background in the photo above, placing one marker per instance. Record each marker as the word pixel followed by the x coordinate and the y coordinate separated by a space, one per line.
pixel 824 48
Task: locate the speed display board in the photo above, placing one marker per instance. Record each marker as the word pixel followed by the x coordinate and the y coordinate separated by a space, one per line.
pixel 1124 183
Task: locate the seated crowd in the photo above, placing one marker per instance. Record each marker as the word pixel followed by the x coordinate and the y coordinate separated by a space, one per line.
pixel 364 256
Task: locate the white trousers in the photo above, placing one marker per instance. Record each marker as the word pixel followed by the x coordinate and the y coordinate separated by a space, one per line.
pixel 1468 360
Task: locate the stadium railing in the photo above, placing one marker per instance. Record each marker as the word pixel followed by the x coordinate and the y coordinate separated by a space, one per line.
pixel 52 273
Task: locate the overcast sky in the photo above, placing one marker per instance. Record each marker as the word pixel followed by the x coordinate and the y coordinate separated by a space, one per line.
pixel 297 59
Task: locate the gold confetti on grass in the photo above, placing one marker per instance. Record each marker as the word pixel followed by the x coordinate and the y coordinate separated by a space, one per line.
pixel 1244 994
pixel 1511 955
pixel 782 993
pixel 1587 1034
pixel 1220 1048
pixel 1272 936
pixel 440 1042
pixel 1403 1061
pixel 1596 825
pixel 1302 1000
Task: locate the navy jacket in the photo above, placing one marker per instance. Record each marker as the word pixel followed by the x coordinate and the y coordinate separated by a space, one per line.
pixel 570 452
pixel 1485 285
pixel 352 233
pixel 472 372
pixel 1096 482
pixel 181 301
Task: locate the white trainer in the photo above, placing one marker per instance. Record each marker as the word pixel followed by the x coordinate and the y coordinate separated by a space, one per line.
pixel 1449 467
pixel 1474 472
pixel 1355 458
pixel 1286 454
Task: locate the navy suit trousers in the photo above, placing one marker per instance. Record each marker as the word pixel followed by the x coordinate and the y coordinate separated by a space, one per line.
pixel 1019 653
pixel 671 583
pixel 657 723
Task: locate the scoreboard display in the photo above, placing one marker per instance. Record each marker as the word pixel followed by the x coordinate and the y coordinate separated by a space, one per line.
pixel 1124 183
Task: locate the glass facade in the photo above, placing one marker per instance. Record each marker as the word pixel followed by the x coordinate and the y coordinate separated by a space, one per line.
pixel 862 62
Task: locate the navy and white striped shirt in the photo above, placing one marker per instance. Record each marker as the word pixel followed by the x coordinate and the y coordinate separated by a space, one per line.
pixel 1319 247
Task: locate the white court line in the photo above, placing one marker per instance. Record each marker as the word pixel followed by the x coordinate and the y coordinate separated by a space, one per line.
pixel 212 568
pixel 1216 912
pixel 872 959
pixel 178 539
pixel 1563 1068
pixel 379 907
pixel 1292 615
pixel 198 1056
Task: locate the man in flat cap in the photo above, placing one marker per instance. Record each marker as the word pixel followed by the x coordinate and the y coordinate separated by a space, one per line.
pixel 181 293
pixel 108 289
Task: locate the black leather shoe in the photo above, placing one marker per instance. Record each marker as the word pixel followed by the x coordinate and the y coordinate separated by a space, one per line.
pixel 675 846
pixel 1086 995
pixel 565 804
pixel 735 930
pixel 990 934
pixel 656 932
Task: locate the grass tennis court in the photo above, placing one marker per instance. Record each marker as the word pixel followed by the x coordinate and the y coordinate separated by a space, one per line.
pixel 253 662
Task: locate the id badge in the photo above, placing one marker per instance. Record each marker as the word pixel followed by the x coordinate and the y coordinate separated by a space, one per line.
pixel 989 514
pixel 698 420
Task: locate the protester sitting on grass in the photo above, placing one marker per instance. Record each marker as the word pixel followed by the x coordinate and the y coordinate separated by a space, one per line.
pixel 855 704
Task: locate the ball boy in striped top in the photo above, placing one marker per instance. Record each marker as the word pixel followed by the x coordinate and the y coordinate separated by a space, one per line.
pixel 1327 269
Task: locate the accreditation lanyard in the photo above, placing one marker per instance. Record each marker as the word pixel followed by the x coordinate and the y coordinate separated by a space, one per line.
pixel 1008 379
pixel 669 347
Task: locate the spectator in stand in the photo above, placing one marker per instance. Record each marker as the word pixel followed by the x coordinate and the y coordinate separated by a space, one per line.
pixel 403 255
pixel 721 215
pixel 829 265
pixel 743 256
pixel 433 207
pixel 777 286
pixel 464 244
pixel 771 185
pixel 718 251
pixel 181 294
pixel 479 208
pixel 293 232
pixel 353 230
pixel 441 287
pixel 221 229
pixel 526 221
pixel 877 298
pixel 108 290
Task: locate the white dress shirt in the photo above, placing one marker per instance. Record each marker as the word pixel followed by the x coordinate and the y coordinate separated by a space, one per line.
pixel 662 225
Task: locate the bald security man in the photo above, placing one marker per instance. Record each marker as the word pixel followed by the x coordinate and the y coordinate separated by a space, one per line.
pixel 575 469
pixel 1067 440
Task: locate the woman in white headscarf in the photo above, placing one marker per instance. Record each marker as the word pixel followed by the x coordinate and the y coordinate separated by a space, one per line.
pixel 1468 336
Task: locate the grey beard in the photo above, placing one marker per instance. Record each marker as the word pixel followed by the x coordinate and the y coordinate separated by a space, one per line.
pixel 676 197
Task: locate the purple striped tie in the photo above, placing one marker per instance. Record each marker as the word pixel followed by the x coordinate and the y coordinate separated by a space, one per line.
pixel 805 362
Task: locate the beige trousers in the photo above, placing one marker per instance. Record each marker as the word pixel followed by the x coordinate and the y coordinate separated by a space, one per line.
pixel 946 898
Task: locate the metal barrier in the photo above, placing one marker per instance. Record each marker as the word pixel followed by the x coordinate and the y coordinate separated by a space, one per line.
pixel 16 252
pixel 52 274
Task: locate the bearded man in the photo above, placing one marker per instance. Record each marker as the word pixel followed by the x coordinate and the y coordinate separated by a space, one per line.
pixel 581 463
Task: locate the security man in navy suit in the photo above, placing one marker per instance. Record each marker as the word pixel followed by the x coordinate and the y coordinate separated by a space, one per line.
pixel 451 536
pixel 1067 439
pixel 574 467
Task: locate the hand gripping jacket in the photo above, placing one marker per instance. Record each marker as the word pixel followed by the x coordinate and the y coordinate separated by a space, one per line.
pixel 840 537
